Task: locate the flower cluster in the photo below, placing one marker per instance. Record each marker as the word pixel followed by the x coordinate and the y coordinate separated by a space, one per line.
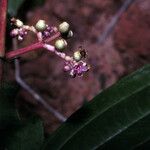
pixel 41 29
pixel 19 33
pixel 76 69
pixel 75 64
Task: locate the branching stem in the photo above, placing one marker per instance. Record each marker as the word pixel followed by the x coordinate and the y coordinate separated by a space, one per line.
pixel 36 96
pixel 35 46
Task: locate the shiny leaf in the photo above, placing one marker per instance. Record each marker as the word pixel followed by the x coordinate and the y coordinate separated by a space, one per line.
pixel 112 119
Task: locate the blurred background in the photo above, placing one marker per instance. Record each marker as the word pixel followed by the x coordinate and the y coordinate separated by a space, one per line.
pixel 126 49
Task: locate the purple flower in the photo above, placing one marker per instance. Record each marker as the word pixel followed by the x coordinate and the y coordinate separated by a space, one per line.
pixel 48 32
pixel 76 69
pixel 19 33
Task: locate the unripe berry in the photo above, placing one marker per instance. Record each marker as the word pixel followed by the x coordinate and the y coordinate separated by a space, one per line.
pixel 77 56
pixel 63 27
pixel 40 25
pixel 18 23
pixel 60 44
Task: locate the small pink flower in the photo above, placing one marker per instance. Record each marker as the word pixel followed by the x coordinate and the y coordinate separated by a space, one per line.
pixel 76 69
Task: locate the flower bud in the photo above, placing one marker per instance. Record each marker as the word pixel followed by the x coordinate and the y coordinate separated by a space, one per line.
pixel 20 38
pixel 14 32
pixel 18 23
pixel 60 44
pixel 77 56
pixel 40 25
pixel 63 27
pixel 66 68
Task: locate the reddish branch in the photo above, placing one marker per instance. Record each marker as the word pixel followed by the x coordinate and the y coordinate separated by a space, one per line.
pixel 35 46
pixel 3 11
pixel 15 53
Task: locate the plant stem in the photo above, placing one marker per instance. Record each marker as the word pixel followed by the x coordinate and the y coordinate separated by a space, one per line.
pixel 3 11
pixel 15 53
pixel 115 19
pixel 35 46
pixel 37 97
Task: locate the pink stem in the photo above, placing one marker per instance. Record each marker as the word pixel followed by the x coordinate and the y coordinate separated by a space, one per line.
pixel 3 10
pixel 35 46
pixel 15 53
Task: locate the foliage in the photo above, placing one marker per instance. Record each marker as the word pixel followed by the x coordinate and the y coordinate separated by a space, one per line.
pixel 118 117
pixel 15 133
pixel 13 6
pixel 28 136
pixel 8 112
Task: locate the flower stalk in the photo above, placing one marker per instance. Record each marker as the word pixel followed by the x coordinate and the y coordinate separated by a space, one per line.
pixel 36 46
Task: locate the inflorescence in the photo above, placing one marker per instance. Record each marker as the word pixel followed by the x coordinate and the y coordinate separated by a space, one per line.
pixel 75 65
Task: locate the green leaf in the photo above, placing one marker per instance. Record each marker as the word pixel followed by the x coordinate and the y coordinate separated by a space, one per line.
pixel 133 137
pixel 13 6
pixel 143 146
pixel 118 117
pixel 28 137
pixel 8 112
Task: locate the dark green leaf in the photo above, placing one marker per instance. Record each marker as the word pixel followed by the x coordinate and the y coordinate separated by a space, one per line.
pixel 22 5
pixel 133 137
pixel 110 117
pixel 28 137
pixel 8 113
pixel 13 6
pixel 143 146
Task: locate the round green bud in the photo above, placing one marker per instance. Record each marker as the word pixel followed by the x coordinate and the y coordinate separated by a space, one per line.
pixel 77 56
pixel 60 44
pixel 40 25
pixel 63 27
pixel 18 23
